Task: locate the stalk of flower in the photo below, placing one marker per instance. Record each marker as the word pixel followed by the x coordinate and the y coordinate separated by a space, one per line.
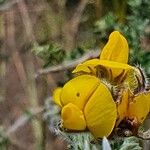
pixel 106 94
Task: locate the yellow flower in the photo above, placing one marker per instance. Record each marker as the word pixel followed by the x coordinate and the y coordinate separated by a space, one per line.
pixel 112 66
pixel 139 107
pixel 87 103
pixel 134 108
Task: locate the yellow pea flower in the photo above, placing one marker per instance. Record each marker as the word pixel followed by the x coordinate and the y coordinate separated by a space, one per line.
pixel 133 108
pixel 88 103
pixel 139 107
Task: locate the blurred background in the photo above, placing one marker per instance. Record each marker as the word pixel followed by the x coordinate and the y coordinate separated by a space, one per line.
pixel 41 41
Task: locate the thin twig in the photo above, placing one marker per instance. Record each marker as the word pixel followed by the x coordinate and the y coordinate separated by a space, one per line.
pixel 31 86
pixel 3 59
pixel 76 18
pixel 26 20
pixel 68 64
pixel 11 43
pixel 71 26
pixel 23 120
pixel 20 122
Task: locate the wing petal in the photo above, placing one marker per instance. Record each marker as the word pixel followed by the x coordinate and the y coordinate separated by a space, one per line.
pixel 100 112
pixel 56 96
pixel 139 108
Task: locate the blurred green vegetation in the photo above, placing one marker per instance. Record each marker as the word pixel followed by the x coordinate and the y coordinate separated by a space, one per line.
pixel 130 17
pixel 54 54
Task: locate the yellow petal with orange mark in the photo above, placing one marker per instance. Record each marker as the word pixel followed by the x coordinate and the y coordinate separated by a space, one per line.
pixel 122 107
pixel 139 108
pixel 100 112
pixel 115 67
pixel 114 70
pixel 78 90
pixel 56 96
pixel 73 118
pixel 116 48
pixel 87 67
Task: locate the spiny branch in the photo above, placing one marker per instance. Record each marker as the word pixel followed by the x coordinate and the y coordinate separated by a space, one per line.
pixel 20 122
pixel 68 64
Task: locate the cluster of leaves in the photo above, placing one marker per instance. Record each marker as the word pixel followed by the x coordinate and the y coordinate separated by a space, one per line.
pixel 53 54
pixel 83 141
pixel 2 1
pixel 134 28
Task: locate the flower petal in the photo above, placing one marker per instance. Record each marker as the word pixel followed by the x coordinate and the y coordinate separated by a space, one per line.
pixel 116 67
pixel 114 70
pixel 87 67
pixel 100 112
pixel 116 48
pixel 73 118
pixel 139 108
pixel 122 107
pixel 78 90
pixel 56 96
